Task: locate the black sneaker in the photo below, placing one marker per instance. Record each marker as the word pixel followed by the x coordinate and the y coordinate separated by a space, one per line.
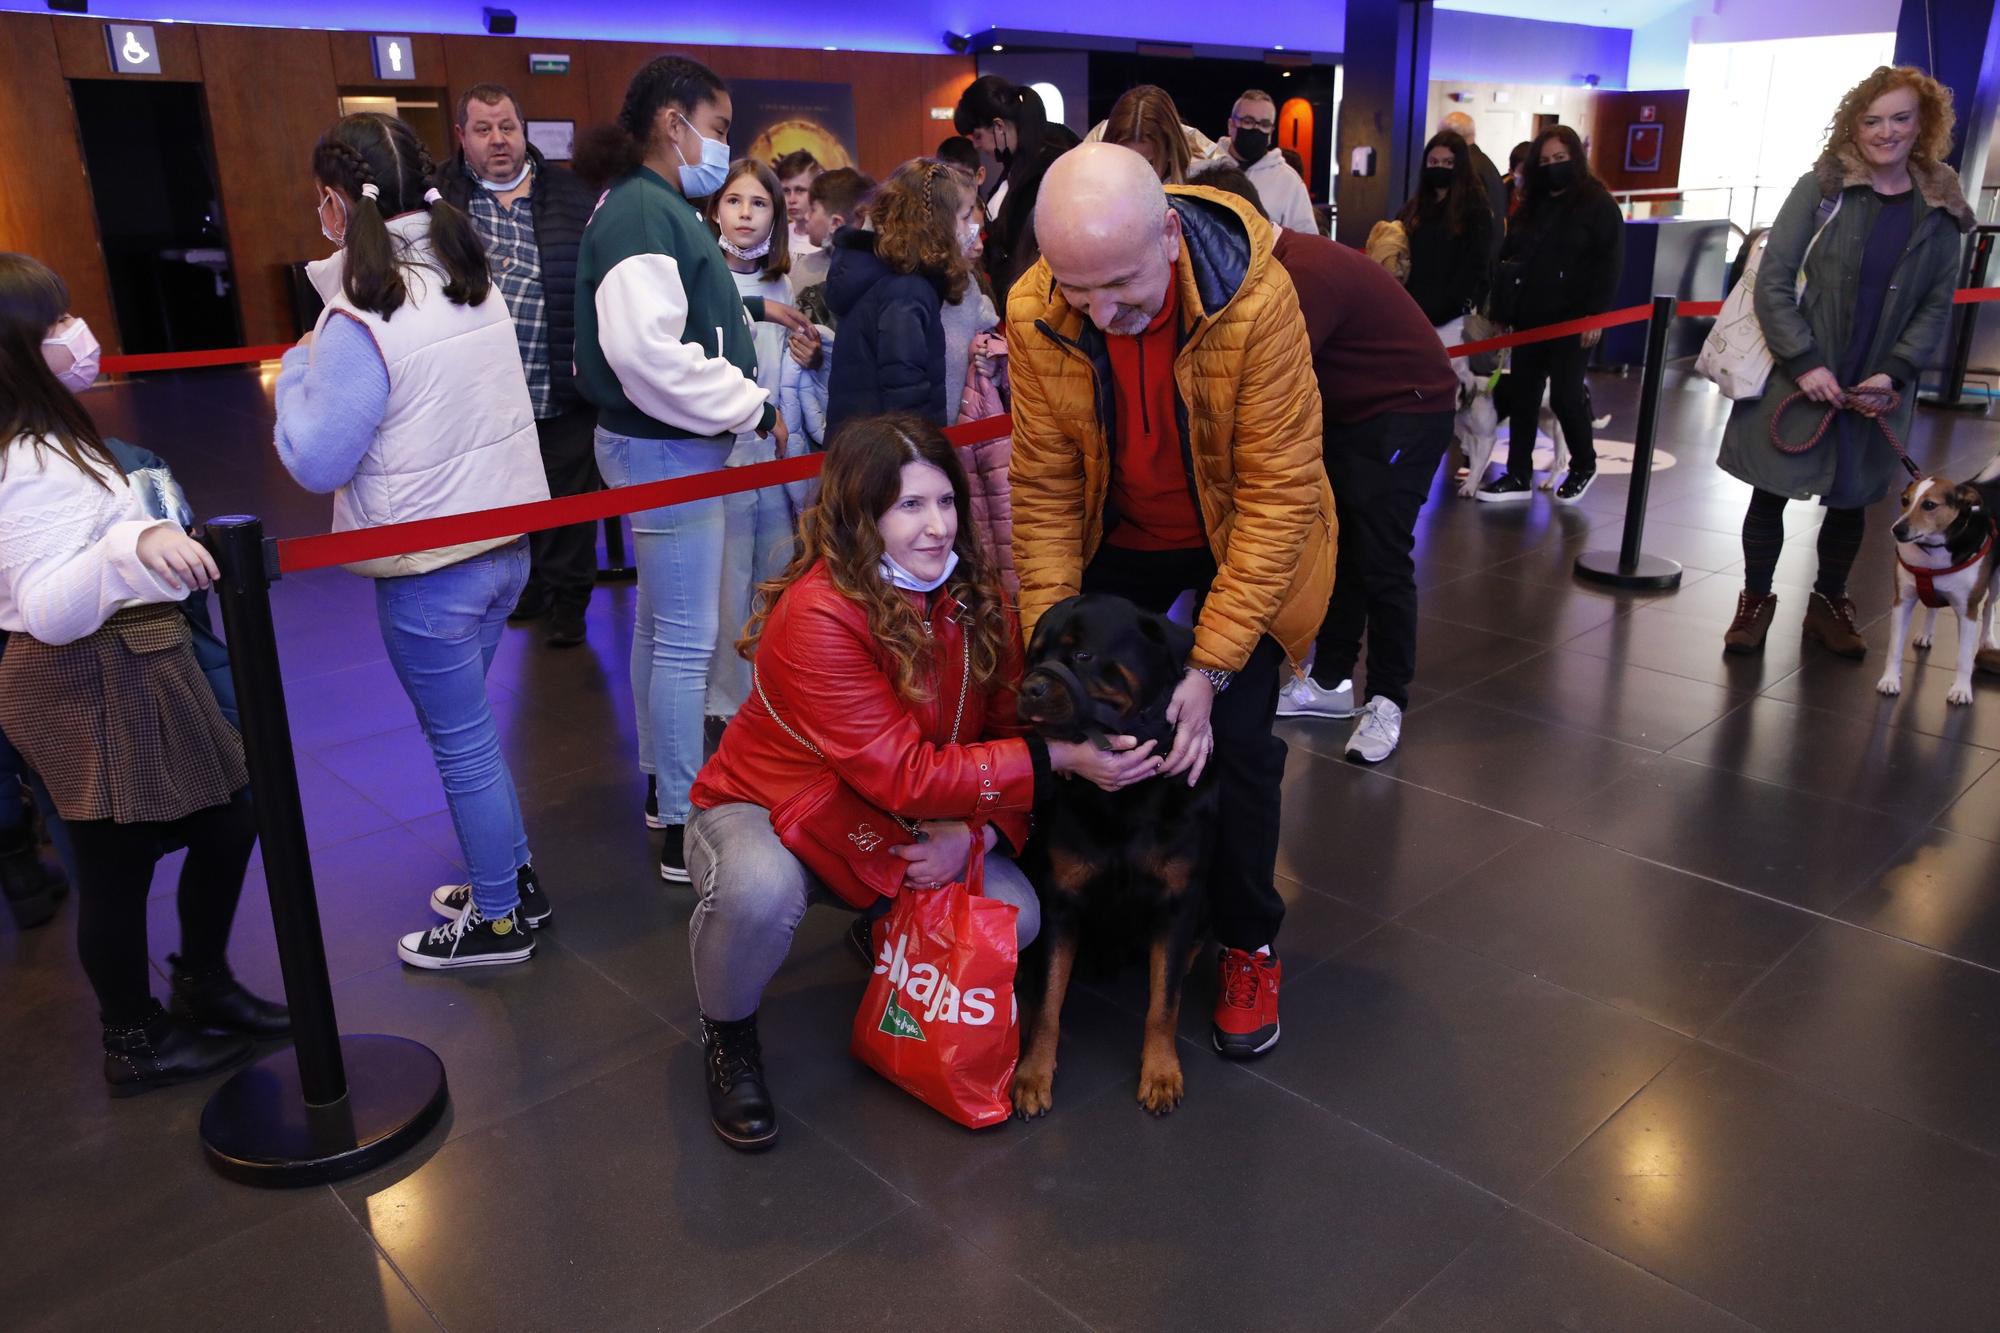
pixel 1510 489
pixel 653 819
pixel 861 939
pixel 470 941
pixel 566 629
pixel 739 1105
pixel 534 604
pixel 673 855
pixel 1574 485
pixel 450 900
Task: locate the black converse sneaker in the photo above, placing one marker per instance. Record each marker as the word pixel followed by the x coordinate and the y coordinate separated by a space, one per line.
pixel 653 819
pixel 449 900
pixel 470 941
pixel 673 855
pixel 1574 485
pixel 1509 489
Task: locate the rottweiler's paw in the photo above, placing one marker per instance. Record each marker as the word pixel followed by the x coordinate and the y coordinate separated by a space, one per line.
pixel 1161 1090
pixel 1034 1093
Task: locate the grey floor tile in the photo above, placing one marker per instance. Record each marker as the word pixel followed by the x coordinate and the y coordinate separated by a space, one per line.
pixel 1791 1208
pixel 1502 605
pixel 1506 761
pixel 1617 700
pixel 1682 645
pixel 1937 892
pixel 1977 812
pixel 1848 689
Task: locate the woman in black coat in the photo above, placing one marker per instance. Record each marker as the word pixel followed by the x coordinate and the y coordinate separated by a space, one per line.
pixel 1007 122
pixel 1450 225
pixel 1561 261
pixel 888 287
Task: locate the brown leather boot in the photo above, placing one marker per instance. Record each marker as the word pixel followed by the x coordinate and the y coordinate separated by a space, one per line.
pixel 1987 660
pixel 1832 623
pixel 1753 621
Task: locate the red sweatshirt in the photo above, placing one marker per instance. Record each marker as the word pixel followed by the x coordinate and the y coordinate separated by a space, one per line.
pixel 1373 350
pixel 1152 500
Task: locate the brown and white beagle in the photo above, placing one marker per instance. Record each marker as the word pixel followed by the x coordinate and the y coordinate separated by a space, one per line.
pixel 1945 557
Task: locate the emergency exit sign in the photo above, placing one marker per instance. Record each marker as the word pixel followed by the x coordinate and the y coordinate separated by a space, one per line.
pixel 544 63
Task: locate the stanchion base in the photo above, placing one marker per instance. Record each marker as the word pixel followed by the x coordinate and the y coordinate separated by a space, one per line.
pixel 617 574
pixel 1652 572
pixel 258 1130
pixel 1959 404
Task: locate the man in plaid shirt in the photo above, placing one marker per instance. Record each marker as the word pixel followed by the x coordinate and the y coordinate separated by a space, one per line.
pixel 531 216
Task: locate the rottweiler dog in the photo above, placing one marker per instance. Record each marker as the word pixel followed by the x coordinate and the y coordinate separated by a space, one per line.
pixel 1117 870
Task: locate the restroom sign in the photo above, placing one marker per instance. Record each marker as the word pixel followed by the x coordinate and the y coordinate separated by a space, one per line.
pixel 133 50
pixel 394 58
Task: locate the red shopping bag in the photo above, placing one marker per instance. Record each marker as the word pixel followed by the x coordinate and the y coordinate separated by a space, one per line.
pixel 939 1019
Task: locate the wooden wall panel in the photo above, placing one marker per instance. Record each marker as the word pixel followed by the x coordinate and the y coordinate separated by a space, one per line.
pixel 271 94
pixel 84 55
pixel 53 221
pixel 354 61
pixel 504 60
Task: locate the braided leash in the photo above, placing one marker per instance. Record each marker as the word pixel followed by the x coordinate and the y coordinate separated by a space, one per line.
pixel 1883 401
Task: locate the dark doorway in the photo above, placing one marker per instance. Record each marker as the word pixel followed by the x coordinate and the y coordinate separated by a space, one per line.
pixel 152 179
pixel 1205 91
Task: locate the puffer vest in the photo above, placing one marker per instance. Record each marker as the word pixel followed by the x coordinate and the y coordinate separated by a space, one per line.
pixel 459 432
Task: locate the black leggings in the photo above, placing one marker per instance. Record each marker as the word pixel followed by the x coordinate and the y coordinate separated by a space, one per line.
pixel 1560 365
pixel 1764 538
pixel 114 864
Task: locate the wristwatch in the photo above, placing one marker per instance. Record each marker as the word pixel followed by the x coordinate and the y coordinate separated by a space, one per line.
pixel 1217 677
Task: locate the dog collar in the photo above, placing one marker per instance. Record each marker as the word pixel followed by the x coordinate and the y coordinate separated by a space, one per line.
pixel 1927 593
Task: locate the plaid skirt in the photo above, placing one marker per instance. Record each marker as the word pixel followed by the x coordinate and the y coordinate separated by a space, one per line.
pixel 121 725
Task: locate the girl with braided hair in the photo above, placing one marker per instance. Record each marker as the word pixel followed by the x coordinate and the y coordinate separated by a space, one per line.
pixel 889 285
pixel 408 401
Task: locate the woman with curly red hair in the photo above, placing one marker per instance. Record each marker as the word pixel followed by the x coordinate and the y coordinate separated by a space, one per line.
pixel 1874 231
pixel 885 661
pixel 888 286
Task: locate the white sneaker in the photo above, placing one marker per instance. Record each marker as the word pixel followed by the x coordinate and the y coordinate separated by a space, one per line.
pixel 1306 697
pixel 1376 734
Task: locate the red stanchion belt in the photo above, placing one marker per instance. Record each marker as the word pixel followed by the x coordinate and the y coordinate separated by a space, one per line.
pixel 1883 400
pixel 221 356
pixel 299 554
pixel 1634 314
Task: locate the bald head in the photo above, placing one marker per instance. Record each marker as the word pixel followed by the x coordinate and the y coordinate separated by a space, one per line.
pixel 1460 124
pixel 1104 227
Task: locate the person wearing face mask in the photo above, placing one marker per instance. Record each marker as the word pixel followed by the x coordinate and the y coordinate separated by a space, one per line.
pixel 1124 483
pixel 1517 179
pixel 101 692
pixel 666 349
pixel 1252 145
pixel 530 216
pixel 1451 237
pixel 1561 260
pixel 1875 229
pixel 889 286
pixel 1007 122
pixel 885 656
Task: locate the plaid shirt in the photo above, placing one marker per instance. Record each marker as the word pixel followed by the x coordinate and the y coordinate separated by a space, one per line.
pixel 515 260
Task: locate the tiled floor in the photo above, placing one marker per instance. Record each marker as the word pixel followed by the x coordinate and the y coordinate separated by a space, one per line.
pixel 1645 989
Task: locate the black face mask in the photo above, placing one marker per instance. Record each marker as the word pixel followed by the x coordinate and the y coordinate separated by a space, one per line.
pixel 1559 175
pixel 1251 145
pixel 1437 178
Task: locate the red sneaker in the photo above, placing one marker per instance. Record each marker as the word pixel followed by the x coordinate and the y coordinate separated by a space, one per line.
pixel 1246 1010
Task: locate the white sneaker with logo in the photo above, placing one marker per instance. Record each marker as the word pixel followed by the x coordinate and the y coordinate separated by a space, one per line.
pixel 1377 733
pixel 1306 697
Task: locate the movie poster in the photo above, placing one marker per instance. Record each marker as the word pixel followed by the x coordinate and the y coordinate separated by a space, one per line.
pixel 778 116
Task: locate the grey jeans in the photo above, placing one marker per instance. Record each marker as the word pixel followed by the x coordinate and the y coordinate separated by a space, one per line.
pixel 754 893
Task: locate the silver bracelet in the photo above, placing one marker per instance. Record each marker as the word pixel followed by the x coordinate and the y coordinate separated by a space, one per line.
pixel 1217 677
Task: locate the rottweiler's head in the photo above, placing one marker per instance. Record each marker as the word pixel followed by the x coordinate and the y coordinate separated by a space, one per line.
pixel 1098 664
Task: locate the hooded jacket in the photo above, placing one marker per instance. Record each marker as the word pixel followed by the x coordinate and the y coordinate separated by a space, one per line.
pixel 1249 424
pixel 561 205
pixel 890 353
pixel 1813 332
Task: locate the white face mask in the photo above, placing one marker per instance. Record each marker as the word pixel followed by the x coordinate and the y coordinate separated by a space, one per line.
pixel 968 236
pixel 735 251
pixel 73 356
pixel 909 582
pixel 340 240
pixel 703 178
pixel 502 187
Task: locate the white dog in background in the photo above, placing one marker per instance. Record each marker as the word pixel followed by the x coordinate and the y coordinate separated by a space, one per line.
pixel 1477 426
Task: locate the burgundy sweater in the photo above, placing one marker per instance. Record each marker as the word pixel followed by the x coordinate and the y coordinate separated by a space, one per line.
pixel 1373 350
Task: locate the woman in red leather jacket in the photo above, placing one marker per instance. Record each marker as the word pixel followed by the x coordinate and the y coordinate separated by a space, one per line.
pixel 888 648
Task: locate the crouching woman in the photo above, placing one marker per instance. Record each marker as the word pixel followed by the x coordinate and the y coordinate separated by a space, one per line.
pixel 885 655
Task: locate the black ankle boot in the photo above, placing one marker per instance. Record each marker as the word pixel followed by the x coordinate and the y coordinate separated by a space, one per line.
pixel 739 1106
pixel 164 1050
pixel 31 886
pixel 215 1001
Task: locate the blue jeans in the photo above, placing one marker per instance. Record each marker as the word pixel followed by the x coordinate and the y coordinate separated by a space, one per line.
pixel 441 629
pixel 678 552
pixel 757 544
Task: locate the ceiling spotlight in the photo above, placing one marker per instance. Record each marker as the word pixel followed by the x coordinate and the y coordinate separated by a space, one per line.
pixel 499 22
pixel 998 48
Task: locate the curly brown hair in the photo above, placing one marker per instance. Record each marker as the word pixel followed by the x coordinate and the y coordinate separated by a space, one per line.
pixel 1146 115
pixel 1935 117
pixel 862 479
pixel 778 259
pixel 915 215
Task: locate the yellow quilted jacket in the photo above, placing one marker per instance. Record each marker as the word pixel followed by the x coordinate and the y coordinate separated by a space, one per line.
pixel 1251 436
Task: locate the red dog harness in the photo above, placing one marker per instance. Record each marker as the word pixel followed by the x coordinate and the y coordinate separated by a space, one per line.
pixel 1929 595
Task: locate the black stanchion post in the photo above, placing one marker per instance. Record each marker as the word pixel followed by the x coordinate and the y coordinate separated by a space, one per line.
pixel 334 1106
pixel 1951 398
pixel 616 568
pixel 1628 566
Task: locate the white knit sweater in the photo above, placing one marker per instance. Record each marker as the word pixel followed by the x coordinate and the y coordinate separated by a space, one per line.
pixel 69 547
